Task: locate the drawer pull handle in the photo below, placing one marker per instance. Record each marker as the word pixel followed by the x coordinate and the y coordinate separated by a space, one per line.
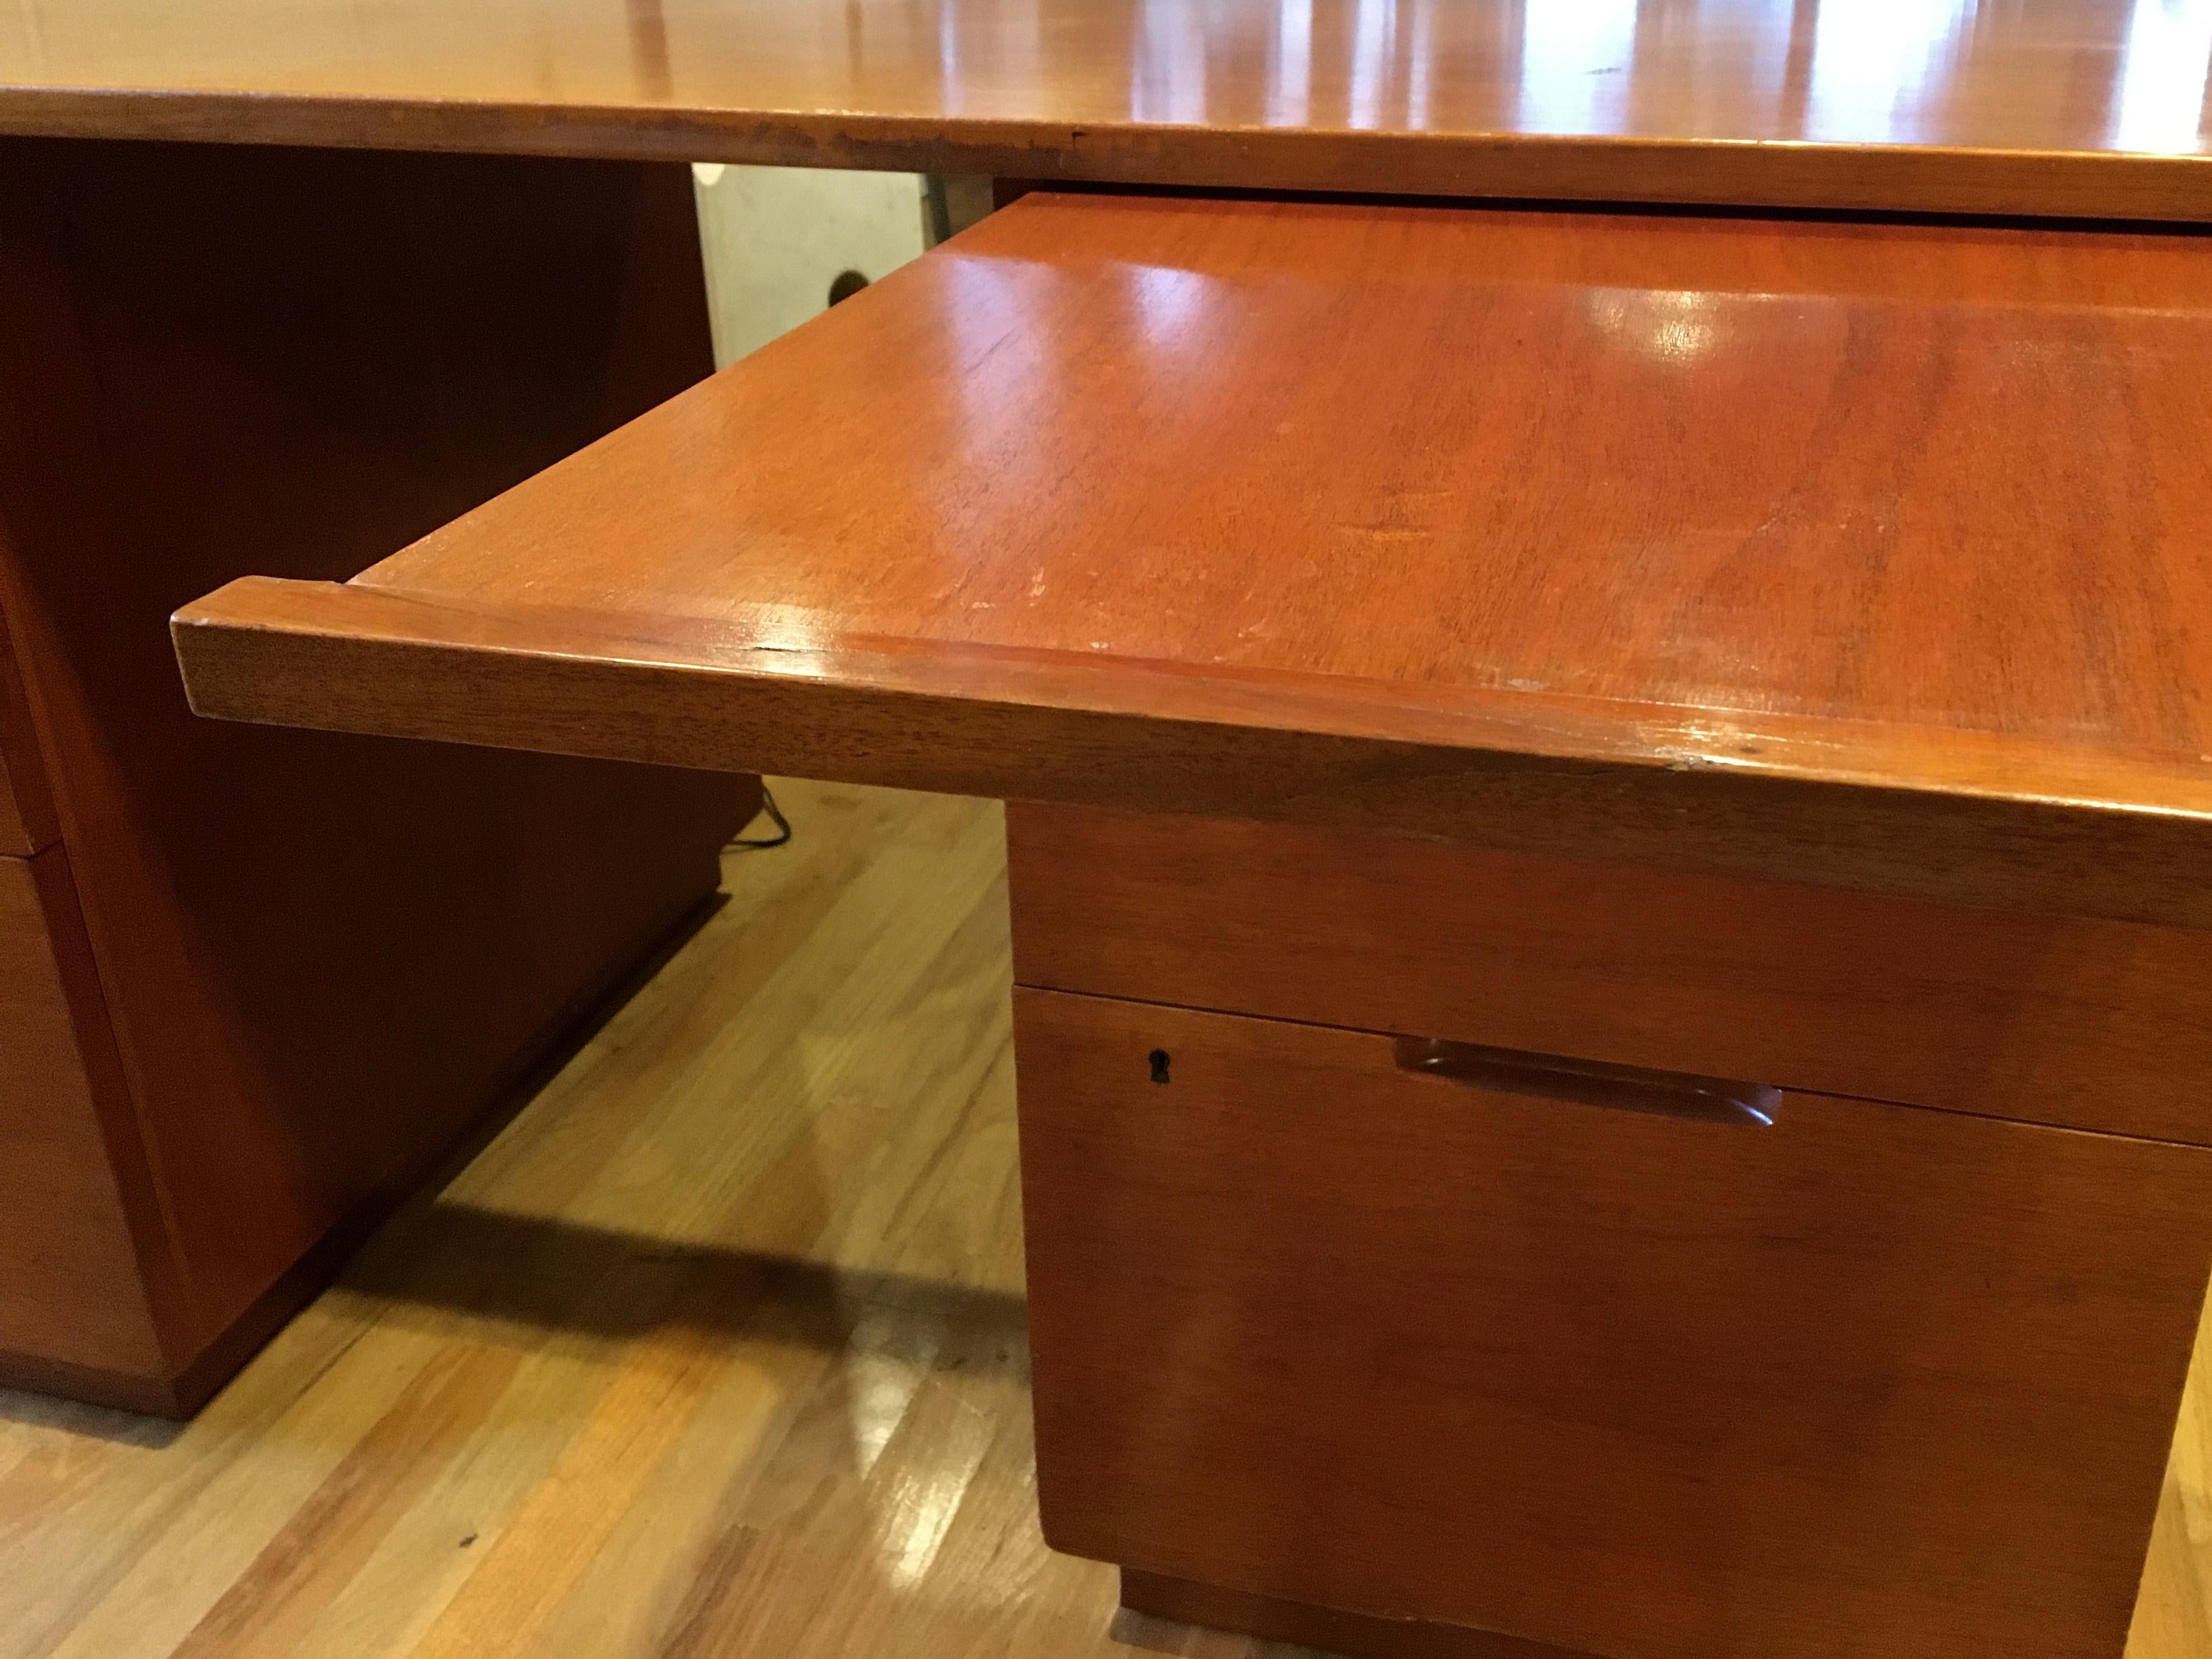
pixel 1591 1083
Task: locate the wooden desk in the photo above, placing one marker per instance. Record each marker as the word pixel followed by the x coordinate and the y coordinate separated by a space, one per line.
pixel 1610 807
pixel 1605 871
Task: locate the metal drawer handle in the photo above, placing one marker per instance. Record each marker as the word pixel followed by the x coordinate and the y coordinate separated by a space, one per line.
pixel 1591 1083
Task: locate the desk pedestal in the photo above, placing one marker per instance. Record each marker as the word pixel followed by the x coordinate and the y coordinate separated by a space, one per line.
pixel 1405 1337
pixel 255 983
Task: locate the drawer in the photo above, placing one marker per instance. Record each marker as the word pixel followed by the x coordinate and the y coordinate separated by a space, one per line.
pixel 2096 1024
pixel 70 1295
pixel 1598 1361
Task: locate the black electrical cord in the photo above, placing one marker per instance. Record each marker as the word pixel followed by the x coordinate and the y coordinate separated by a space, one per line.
pixel 761 843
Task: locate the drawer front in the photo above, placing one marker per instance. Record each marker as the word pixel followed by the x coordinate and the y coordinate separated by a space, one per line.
pixel 70 1293
pixel 1505 1348
pixel 2098 1025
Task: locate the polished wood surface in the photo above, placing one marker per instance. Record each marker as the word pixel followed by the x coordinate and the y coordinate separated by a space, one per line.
pixel 2094 107
pixel 2093 1024
pixel 72 1292
pixel 320 958
pixel 1862 1381
pixel 1688 541
pixel 719 1350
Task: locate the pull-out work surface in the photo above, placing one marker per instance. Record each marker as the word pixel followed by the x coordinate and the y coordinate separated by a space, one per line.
pixel 1870 555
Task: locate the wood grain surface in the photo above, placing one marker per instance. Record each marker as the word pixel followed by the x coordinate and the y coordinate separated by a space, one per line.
pixel 2093 1024
pixel 1664 539
pixel 2094 107
pixel 1862 1381
pixel 719 1350
pixel 320 958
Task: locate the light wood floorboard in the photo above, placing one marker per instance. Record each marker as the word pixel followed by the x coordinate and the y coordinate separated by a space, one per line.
pixel 718 1349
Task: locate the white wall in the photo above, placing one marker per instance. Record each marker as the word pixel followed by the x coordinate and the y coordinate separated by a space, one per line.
pixel 775 238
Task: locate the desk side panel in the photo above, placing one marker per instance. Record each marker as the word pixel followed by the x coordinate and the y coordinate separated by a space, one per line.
pixel 324 956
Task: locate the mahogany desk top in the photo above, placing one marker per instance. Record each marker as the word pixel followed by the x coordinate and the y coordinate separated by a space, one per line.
pixel 2093 108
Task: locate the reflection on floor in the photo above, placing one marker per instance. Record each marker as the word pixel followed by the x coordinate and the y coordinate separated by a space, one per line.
pixel 717 1350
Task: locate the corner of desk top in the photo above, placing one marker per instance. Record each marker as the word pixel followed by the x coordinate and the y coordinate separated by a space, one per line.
pixel 220 639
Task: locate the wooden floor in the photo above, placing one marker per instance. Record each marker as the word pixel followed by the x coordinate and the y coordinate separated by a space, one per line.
pixel 718 1349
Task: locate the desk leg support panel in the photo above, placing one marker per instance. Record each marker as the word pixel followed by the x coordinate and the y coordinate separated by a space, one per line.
pixel 310 961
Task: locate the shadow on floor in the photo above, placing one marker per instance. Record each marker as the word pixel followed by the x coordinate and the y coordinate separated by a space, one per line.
pixel 40 1411
pixel 609 1283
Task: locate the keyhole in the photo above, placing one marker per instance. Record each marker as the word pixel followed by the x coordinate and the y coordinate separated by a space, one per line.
pixel 1159 1060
